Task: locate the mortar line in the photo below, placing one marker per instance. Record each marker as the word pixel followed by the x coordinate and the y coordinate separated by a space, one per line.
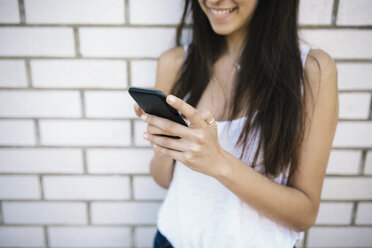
pixel 335 12
pixel 77 42
pixel 353 213
pixel 21 7
pixel 126 11
pixel 362 163
pixel 28 74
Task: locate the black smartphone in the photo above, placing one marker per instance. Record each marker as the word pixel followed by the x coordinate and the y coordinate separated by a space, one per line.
pixel 154 102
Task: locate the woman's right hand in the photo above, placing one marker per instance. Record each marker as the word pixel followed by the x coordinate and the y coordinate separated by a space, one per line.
pixel 151 130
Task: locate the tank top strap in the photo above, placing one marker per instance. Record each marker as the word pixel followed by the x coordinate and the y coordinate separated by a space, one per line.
pixel 185 47
pixel 304 49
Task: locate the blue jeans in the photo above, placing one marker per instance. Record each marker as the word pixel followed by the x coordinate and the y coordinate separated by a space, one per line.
pixel 160 241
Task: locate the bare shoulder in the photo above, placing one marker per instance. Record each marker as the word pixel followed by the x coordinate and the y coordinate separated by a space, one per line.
pixel 168 66
pixel 320 70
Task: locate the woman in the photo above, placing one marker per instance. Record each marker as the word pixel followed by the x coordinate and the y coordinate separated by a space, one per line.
pixel 262 109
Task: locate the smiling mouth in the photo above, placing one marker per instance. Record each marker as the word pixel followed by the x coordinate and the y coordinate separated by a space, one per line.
pixel 222 11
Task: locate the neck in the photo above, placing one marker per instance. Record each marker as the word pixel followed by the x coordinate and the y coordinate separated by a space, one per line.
pixel 235 44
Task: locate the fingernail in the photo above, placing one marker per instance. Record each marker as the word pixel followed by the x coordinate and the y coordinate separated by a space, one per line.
pixel 143 117
pixel 172 99
pixel 145 135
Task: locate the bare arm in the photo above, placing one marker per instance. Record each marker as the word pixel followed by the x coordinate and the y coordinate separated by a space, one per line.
pixel 296 205
pixel 169 63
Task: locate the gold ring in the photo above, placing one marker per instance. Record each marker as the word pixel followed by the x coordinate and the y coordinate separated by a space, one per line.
pixel 211 121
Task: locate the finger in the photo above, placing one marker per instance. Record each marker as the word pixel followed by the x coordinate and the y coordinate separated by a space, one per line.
pixel 171 127
pixel 169 152
pixel 170 143
pixel 208 117
pixel 189 111
pixel 155 130
pixel 137 110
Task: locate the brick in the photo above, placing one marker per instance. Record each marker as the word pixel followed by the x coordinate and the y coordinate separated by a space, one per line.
pixel 86 187
pixel 344 162
pixel 85 73
pixel 70 213
pixel 112 104
pixel 334 213
pixel 126 161
pixel 37 41
pixel 60 236
pixel 355 43
pixel 144 236
pixel 19 187
pixel 17 132
pixel 354 76
pixel 32 103
pixel 40 160
pixel 74 11
pixel 85 132
pixel 145 188
pixel 118 42
pixel 143 73
pixel 368 164
pixel 9 12
pixel 32 236
pixel 347 188
pixel 139 128
pixel 140 13
pixel 354 105
pixel 315 12
pixel 339 237
pixel 354 12
pixel 364 213
pixel 353 134
pixel 12 73
pixel 124 213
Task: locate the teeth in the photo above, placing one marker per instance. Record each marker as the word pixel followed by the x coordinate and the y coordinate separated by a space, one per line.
pixel 222 12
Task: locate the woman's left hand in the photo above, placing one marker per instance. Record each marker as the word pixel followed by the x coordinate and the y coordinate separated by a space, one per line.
pixel 198 148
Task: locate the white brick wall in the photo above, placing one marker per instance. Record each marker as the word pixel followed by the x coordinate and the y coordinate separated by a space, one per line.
pixel 118 42
pixel 140 13
pixel 85 132
pixel 127 161
pixel 340 237
pixel 41 160
pixel 124 213
pixel 37 41
pixel 85 73
pixel 19 187
pixel 21 212
pixel 30 103
pixel 71 11
pixel 9 11
pixel 74 167
pixel 89 236
pixel 348 8
pixel 12 73
pixel 354 76
pixel 86 187
pixel 31 236
pixel 315 12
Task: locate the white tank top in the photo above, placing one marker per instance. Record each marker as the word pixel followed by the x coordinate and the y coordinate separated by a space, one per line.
pixel 200 212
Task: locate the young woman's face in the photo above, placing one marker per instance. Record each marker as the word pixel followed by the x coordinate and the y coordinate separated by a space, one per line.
pixel 228 16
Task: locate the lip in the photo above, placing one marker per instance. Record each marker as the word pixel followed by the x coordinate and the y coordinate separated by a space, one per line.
pixel 221 16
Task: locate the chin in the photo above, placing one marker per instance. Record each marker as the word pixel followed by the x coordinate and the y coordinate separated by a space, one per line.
pixel 222 29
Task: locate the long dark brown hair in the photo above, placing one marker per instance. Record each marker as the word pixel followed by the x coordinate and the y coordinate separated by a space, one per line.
pixel 269 86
